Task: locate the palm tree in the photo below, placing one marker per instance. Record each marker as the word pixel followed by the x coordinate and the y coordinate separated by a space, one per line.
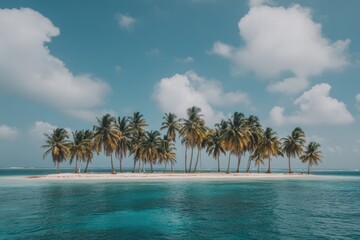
pixel 193 129
pixel 79 147
pixel 312 155
pixel 90 149
pixel 172 124
pixel 124 143
pixel 167 153
pixel 293 145
pixel 150 147
pixel 58 145
pixel 258 159
pixel 185 141
pixel 256 131
pixel 137 126
pixel 269 146
pixel 236 137
pixel 106 136
pixel 215 145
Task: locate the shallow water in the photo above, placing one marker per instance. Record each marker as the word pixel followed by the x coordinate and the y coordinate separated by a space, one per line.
pixel 325 208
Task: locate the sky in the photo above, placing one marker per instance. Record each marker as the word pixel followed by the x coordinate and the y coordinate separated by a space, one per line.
pixel 291 63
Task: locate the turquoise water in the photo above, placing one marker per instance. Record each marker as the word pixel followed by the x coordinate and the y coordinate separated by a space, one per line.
pixel 326 208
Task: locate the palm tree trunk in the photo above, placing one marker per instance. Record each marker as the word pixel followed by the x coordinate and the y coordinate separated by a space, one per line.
pixel 248 165
pixel 218 164
pixel 121 169
pixel 309 167
pixel 57 167
pixel 191 158
pixel 259 168
pixel 200 161
pixel 172 167
pixel 165 167
pixel 238 164
pixel 290 166
pixel 139 166
pixel 143 167
pixel 112 165
pixel 228 168
pixel 197 159
pixel 133 170
pixel 186 159
pixel 87 164
pixel 269 171
pixel 76 166
pixel 151 166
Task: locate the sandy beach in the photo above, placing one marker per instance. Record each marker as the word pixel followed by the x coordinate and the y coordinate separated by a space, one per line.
pixel 170 176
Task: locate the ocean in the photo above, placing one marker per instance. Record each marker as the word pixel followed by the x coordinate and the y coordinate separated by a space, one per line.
pixel 324 208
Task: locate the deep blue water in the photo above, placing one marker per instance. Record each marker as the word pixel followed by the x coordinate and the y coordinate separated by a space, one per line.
pixel 325 208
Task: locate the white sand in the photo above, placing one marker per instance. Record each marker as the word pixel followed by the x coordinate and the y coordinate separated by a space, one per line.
pixel 170 176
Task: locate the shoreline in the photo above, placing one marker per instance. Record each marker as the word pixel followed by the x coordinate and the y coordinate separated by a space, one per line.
pixel 171 176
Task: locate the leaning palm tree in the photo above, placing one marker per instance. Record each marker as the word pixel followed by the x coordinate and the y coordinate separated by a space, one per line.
pixel 150 147
pixel 106 136
pixel 137 126
pixel 236 137
pixel 124 142
pixel 57 144
pixel 293 145
pixel 90 149
pixel 312 155
pixel 172 124
pixel 255 129
pixel 78 148
pixel 269 146
pixel 193 129
pixel 167 154
pixel 215 145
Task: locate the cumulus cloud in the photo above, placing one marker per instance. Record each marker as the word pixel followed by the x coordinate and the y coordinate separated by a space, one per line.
pixel 315 107
pixel 277 41
pixel 289 85
pixel 181 91
pixel 7 132
pixel 27 67
pixel 125 21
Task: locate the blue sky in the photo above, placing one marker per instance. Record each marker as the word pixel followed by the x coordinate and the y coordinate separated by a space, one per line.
pixel 292 63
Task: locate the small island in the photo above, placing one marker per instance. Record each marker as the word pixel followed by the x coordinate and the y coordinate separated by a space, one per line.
pixel 235 136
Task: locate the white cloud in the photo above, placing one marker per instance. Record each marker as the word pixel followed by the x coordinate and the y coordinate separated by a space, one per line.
pixel 126 21
pixel 279 41
pixel 289 85
pixel 315 107
pixel 27 67
pixel 181 91
pixel 256 3
pixel 153 52
pixel 7 132
pixel 38 129
pixel 187 59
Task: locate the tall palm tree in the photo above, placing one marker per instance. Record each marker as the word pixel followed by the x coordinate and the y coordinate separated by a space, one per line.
pixel 137 126
pixel 236 137
pixel 293 145
pixel 106 136
pixel 150 147
pixel 269 146
pixel 312 155
pixel 256 131
pixel 258 158
pixel 172 124
pixel 57 144
pixel 124 142
pixel 185 141
pixel 193 128
pixel 167 154
pixel 215 145
pixel 79 147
